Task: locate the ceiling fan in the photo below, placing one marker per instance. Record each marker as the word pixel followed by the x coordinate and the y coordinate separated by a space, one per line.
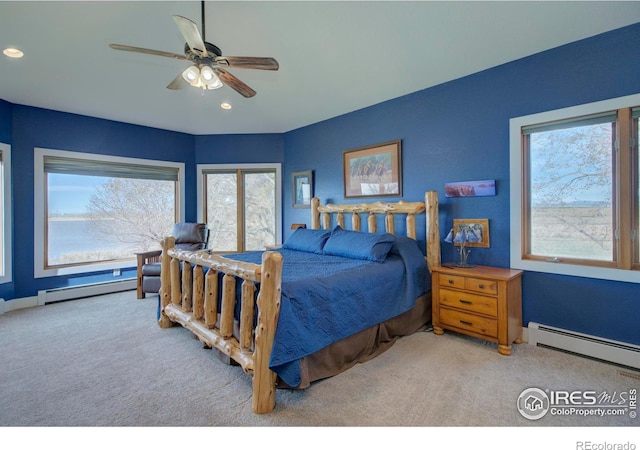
pixel 208 65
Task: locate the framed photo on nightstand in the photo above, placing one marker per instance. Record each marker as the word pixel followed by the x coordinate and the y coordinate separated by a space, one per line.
pixel 480 228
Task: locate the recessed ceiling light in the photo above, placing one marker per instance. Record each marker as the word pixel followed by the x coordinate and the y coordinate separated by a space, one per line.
pixel 225 105
pixel 13 53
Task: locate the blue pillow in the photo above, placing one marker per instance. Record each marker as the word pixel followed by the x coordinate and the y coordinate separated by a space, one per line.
pixel 307 240
pixel 358 245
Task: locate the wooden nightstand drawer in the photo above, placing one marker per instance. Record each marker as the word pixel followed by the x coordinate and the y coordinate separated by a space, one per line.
pixel 481 301
pixel 469 302
pixel 479 285
pixel 470 322
pixel 451 281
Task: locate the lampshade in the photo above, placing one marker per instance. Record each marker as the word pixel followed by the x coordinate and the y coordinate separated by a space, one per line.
pixel 470 235
pixel 463 235
pixel 449 238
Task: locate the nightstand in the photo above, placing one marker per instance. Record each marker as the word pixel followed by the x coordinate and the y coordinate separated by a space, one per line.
pixel 484 302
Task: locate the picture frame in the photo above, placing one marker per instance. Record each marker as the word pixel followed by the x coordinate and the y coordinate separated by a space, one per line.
pixel 302 188
pixel 373 171
pixel 478 188
pixel 479 226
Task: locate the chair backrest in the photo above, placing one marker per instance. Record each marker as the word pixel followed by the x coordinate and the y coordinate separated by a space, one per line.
pixel 191 236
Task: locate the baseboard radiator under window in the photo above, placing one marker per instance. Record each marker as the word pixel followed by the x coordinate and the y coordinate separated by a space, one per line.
pixel 603 349
pixel 85 290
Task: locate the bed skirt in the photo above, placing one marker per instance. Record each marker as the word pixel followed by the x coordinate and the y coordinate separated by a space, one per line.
pixel 362 346
pixel 357 348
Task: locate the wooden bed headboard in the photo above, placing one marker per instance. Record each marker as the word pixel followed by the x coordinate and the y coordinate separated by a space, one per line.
pixel 321 218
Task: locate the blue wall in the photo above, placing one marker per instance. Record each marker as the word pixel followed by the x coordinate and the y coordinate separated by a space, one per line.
pixel 239 149
pixel 35 127
pixel 5 122
pixel 459 131
pixel 6 289
pixel 456 131
pixel 27 127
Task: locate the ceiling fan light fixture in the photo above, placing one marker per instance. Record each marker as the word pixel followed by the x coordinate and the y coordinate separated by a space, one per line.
pixel 192 75
pixel 215 85
pixel 209 78
pixel 207 73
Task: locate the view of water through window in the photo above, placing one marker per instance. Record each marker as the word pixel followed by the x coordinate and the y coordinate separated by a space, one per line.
pixel 91 219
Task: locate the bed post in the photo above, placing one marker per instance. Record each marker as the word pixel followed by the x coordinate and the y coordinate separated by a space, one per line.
pixel 165 283
pixel 264 380
pixel 315 214
pixel 433 229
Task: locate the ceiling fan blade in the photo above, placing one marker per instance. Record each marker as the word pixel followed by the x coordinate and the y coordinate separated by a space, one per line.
pixel 178 83
pixel 248 62
pixel 191 34
pixel 148 51
pixel 234 83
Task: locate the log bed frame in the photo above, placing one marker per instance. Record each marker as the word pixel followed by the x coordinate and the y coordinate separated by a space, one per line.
pixel 189 297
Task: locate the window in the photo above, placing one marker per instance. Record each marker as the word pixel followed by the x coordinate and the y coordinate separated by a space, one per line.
pixel 5 213
pixel 574 191
pixel 93 212
pixel 241 206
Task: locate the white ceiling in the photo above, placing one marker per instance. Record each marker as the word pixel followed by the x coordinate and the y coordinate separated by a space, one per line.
pixel 335 56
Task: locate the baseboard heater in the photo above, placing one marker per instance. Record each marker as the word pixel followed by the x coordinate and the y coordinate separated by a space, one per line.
pixel 85 290
pixel 603 349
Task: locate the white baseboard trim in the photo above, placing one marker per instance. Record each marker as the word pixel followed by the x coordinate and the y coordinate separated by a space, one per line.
pixel 621 353
pixel 18 303
pixel 86 290
pixel 67 293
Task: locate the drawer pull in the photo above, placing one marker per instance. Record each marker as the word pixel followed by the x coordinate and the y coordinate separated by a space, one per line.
pixel 450 281
pixel 464 322
pixel 466 302
pixel 481 286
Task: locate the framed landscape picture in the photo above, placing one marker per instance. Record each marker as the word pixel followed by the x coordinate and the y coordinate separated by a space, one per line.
pixel 302 183
pixel 374 171
pixel 478 188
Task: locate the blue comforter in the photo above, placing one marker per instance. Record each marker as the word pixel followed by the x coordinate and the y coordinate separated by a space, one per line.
pixel 327 298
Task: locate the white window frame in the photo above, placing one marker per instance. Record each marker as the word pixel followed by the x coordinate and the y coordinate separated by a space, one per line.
pixel 516 193
pixel 39 205
pixel 201 168
pixel 5 215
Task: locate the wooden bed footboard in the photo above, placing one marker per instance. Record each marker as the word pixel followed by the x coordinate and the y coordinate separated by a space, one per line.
pixel 189 297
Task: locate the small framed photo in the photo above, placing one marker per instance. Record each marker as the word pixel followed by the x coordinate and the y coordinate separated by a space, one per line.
pixel 302 184
pixel 480 228
pixel 374 171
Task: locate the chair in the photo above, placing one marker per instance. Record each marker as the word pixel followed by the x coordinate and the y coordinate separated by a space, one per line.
pixel 189 236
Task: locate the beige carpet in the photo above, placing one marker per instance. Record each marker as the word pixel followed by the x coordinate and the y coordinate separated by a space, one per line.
pixel 103 361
